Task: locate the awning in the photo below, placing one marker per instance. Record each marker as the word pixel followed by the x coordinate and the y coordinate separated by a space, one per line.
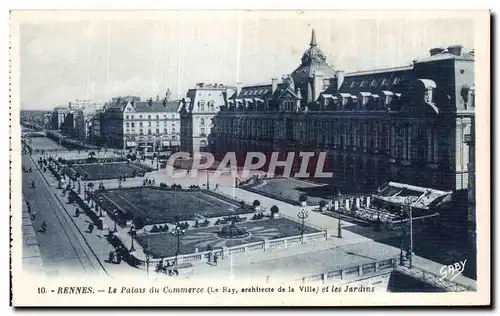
pixel 165 143
pixel 131 144
pixel 423 198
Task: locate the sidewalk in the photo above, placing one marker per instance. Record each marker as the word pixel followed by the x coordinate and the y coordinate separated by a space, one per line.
pixel 32 261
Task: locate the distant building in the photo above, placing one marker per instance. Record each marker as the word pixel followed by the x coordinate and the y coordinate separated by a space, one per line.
pixel 403 124
pixel 197 110
pixel 152 125
pixel 58 117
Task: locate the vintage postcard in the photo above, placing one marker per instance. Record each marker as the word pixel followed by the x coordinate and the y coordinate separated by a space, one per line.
pixel 250 158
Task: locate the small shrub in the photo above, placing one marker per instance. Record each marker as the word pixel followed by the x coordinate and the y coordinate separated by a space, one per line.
pixel 154 229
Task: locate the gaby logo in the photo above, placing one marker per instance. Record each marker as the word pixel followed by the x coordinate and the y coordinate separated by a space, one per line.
pixel 452 271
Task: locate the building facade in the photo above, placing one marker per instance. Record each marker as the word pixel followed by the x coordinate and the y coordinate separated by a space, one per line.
pixel 404 124
pixel 197 111
pixel 131 124
pixel 58 117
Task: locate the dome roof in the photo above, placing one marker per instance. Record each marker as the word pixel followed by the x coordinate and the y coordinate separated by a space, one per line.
pixel 314 55
pixel 313 62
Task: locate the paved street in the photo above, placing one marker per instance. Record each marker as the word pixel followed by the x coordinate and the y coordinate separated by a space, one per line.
pixel 63 250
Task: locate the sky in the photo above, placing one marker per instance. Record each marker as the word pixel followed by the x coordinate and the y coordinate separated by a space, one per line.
pixel 99 58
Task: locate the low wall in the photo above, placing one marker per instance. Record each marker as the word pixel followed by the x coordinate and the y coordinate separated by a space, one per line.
pixel 353 272
pixel 230 251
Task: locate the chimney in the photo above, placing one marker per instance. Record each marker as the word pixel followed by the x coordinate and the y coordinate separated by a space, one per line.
pixel 318 85
pixel 455 50
pixel 340 79
pixel 274 85
pixel 436 50
pixel 150 101
pixel 157 98
pixel 238 88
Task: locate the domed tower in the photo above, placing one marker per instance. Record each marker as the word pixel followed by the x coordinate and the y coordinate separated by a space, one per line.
pixel 314 74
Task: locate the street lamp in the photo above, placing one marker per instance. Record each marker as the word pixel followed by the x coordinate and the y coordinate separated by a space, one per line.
pixel 409 211
pixel 178 232
pixel 146 252
pixel 339 224
pixel 302 215
pixel 132 234
pixel 115 215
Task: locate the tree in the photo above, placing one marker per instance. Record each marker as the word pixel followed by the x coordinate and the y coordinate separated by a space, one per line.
pixel 139 222
pixel 256 203
pixel 274 210
pixel 303 198
pixel 322 205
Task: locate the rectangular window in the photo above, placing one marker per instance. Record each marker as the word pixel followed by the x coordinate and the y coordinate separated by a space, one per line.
pixel 126 117
pixel 157 123
pixel 165 131
pixel 157 131
pixel 149 131
pixel 203 131
pixel 132 124
pixel 140 124
pixel 149 117
pixel 127 124
pixel 141 131
pixel 140 116
pixel 157 117
pixel 131 117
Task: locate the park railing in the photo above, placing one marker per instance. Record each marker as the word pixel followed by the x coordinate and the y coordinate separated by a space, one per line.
pixel 352 272
pixel 203 256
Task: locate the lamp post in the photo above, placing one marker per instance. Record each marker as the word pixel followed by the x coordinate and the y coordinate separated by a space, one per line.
pixel 208 183
pixel 409 211
pixel 339 224
pixel 178 232
pixel 132 233
pixel 146 252
pixel 115 215
pixel 302 215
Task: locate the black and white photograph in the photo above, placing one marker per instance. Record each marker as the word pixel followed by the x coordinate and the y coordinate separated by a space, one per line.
pixel 308 154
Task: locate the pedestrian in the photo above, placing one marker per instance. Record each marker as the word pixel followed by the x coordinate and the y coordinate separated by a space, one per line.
pixel 118 258
pixel 77 212
pixel 111 257
pixel 215 259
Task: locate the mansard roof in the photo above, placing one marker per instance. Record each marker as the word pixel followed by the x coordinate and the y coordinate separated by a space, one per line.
pixel 156 106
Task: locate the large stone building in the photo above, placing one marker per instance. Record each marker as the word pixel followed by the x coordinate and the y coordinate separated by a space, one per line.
pixel 197 110
pixel 58 117
pixel 131 124
pixel 404 124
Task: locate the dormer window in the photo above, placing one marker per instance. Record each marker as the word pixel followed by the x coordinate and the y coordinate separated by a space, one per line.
pixel 354 84
pixel 373 83
pixel 363 84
